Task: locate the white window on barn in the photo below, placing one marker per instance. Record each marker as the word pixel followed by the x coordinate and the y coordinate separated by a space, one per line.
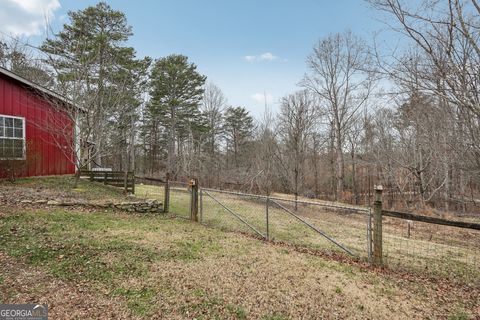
pixel 12 138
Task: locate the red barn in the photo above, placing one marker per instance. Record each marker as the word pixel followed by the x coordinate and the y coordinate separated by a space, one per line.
pixel 37 137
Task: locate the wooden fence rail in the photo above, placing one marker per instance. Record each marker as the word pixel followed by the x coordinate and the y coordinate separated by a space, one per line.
pixel 125 180
pixel 149 179
pixel 433 220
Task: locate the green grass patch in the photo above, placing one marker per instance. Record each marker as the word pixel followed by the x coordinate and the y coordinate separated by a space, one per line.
pixel 82 257
pixel 207 307
pixel 238 311
pixel 274 316
pixel 459 315
pixel 140 301
pixel 64 184
pixel 74 246
pixel 101 247
pixel 188 250
pixel 105 250
pixel 59 183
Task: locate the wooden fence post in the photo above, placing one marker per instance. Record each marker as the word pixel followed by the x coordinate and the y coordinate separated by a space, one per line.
pixel 377 227
pixel 194 202
pixel 201 205
pixel 166 203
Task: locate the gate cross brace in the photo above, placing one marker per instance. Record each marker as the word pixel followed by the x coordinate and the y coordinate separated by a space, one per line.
pixel 314 228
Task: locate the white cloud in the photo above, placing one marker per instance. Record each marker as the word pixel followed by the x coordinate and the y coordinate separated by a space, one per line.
pixel 267 56
pixel 261 97
pixel 26 17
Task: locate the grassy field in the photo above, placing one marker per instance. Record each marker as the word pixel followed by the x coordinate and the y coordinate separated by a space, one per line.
pixel 435 250
pixel 109 265
pixel 101 264
pixel 59 187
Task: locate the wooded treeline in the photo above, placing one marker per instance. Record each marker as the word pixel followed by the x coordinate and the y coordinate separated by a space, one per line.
pixel 363 114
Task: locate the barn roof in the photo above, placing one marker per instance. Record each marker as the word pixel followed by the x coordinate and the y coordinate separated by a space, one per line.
pixel 37 87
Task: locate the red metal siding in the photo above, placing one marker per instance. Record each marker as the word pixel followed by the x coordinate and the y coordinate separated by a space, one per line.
pixel 44 155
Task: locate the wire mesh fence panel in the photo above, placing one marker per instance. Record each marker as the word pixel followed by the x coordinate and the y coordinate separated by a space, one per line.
pixel 180 199
pixel 320 227
pixel 150 191
pixel 314 225
pixel 436 249
pixel 442 250
pixel 234 212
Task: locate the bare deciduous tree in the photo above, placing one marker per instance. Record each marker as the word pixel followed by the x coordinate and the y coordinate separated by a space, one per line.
pixel 340 77
pixel 298 115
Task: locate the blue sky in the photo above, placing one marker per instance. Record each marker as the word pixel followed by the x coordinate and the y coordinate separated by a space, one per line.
pixel 246 47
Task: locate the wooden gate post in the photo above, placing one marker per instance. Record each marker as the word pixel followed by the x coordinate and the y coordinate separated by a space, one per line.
pixel 166 202
pixel 194 202
pixel 377 227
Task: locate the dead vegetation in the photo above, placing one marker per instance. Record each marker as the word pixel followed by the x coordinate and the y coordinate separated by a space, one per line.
pixel 103 265
pixel 418 247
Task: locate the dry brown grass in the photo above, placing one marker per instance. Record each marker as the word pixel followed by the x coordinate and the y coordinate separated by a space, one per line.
pixel 23 283
pixel 102 266
pixel 439 250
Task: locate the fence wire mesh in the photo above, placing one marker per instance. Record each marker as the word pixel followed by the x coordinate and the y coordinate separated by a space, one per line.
pixel 234 212
pixel 430 248
pixel 331 227
pixel 150 190
pixel 314 225
pixel 179 195
pixel 180 199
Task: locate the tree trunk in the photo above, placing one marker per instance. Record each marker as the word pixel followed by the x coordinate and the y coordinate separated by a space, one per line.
pixel 315 166
pixel 171 142
pixel 340 163
pixel 354 174
pixel 77 179
pixel 296 185
pixel 132 146
pixel 332 161
pixel 235 149
pixel 421 179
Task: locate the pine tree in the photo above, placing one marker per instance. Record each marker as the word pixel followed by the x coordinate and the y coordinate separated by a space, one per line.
pixel 176 93
pixel 94 69
pixel 238 129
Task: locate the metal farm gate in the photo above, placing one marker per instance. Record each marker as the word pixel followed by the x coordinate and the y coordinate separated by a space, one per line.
pixel 406 241
pixel 318 225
